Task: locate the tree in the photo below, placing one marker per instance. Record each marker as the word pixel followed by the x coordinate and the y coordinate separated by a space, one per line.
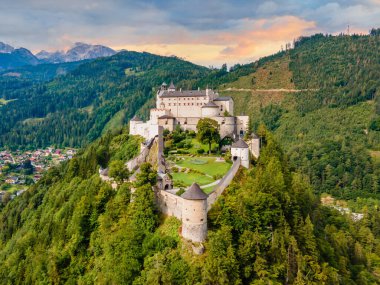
pixel 118 171
pixel 208 132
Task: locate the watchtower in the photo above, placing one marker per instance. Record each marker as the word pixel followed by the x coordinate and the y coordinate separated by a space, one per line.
pixel 240 149
pixel 194 214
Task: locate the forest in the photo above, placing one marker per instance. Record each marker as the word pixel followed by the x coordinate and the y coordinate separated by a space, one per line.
pixel 267 228
pixel 73 109
pixel 329 129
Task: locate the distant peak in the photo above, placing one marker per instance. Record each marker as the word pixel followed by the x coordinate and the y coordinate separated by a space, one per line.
pixel 5 48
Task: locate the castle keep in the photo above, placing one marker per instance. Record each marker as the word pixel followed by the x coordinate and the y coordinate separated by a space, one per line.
pixel 185 108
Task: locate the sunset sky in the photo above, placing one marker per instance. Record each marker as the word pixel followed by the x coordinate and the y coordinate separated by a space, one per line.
pixel 205 32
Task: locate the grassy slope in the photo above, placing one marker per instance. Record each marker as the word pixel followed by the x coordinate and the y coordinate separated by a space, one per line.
pixel 262 84
pixel 341 75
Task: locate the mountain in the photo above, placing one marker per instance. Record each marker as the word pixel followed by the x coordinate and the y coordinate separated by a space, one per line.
pixel 74 109
pixel 4 48
pixel 267 228
pixel 11 58
pixel 52 57
pixel 80 51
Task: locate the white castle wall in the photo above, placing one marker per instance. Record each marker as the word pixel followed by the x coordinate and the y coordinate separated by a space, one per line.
pixel 242 153
pixel 184 106
pixel 225 106
pixel 254 147
pixel 242 123
pixel 209 112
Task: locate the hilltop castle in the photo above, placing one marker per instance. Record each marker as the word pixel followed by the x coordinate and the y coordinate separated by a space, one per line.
pixel 185 108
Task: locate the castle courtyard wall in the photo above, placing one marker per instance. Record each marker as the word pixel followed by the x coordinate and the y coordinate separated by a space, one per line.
pixel 222 185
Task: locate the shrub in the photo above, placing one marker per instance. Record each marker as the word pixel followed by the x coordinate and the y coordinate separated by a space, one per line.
pixel 180 191
pixel 200 151
pixel 175 169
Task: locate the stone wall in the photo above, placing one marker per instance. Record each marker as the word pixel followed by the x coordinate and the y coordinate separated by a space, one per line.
pixel 134 163
pixel 226 180
pixel 169 204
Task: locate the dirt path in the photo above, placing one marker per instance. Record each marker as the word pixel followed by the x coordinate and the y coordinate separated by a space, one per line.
pixel 270 90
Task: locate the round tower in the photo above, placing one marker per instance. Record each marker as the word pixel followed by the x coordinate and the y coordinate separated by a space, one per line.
pixel 133 125
pixel 194 214
pixel 240 149
pixel 210 110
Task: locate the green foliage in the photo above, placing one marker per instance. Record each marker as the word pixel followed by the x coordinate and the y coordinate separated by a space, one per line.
pixel 208 132
pixel 73 110
pixel 118 171
pixel 282 235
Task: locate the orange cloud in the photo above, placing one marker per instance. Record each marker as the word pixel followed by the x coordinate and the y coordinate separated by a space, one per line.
pixel 265 34
pixel 250 40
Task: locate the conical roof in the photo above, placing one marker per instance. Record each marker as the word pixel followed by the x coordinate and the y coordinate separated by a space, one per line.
pixel 171 85
pixel 194 192
pixel 239 144
pixel 135 118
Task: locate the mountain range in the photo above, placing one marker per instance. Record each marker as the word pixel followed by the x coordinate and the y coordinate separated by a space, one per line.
pixel 11 57
pixel 80 51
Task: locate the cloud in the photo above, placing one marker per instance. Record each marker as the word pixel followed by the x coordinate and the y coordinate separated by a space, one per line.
pixel 207 32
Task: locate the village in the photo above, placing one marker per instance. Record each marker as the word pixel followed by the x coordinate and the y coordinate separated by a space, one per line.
pixel 19 169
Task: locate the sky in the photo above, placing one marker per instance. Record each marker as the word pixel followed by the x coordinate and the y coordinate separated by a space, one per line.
pixel 207 32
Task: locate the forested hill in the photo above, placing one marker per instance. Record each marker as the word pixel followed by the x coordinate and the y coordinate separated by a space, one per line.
pixel 76 108
pixel 267 228
pixel 322 101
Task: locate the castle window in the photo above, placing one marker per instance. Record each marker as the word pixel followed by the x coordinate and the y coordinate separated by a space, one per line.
pixel 201 220
pixel 187 219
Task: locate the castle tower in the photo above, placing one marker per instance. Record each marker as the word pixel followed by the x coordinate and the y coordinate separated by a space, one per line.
pixel 210 110
pixel 240 149
pixel 133 125
pixel 164 86
pixel 194 214
pixel 171 87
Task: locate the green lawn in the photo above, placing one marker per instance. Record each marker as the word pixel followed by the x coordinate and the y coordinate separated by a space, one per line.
pixel 205 165
pixel 208 190
pixel 190 178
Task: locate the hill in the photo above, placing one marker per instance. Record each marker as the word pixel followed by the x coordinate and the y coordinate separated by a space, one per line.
pixel 322 100
pixel 267 228
pixel 11 58
pixel 73 109
pixel 40 72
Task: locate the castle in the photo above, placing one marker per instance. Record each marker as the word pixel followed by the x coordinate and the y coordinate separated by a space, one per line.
pixel 185 108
